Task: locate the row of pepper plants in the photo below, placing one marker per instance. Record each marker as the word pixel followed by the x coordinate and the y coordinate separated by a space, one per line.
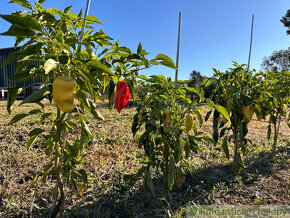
pixel 172 120
pixel 245 93
pixel 77 69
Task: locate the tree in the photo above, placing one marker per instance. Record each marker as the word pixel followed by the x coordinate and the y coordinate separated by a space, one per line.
pixel 279 60
pixel 286 21
pixel 196 79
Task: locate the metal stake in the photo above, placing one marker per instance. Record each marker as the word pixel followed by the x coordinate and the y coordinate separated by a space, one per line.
pixel 178 42
pixel 84 23
pixel 250 51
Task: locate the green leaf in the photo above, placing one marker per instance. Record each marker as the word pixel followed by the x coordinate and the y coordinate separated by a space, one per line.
pixel 17 117
pixel 222 133
pixel 49 65
pixel 139 49
pixel 34 111
pixel 33 49
pixel 91 18
pixel 36 131
pixel 44 116
pixel 111 94
pixel 24 76
pixel 12 95
pixel 30 141
pixel 225 147
pixel 143 77
pixel 10 58
pixel 23 21
pixel 41 1
pixel 185 99
pixel 275 101
pixel 84 175
pixel 208 139
pixel 210 83
pixel 215 125
pixel 155 78
pixel 95 112
pixel 135 124
pixel 148 181
pixel 204 82
pixel 19 31
pixel 67 9
pixel 131 88
pixel 97 65
pixel 86 128
pixel 22 3
pixel 207 115
pixel 129 177
pixel 73 15
pixel 223 111
pixel 209 102
pixel 165 60
pixel 199 117
pixel 59 36
pixel 191 89
pixel 36 96
pixel 47 171
pixel 286 73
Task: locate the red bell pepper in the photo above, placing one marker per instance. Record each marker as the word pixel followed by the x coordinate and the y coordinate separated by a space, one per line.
pixel 122 95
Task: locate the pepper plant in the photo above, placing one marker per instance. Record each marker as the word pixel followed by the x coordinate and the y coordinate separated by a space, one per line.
pixel 75 69
pixel 169 134
pixel 240 93
pixel 277 99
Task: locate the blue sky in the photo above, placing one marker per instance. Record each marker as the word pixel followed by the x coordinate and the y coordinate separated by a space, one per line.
pixel 213 34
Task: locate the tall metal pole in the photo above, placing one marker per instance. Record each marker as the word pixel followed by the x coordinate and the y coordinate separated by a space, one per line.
pixel 178 43
pixel 84 23
pixel 250 51
pixel 288 50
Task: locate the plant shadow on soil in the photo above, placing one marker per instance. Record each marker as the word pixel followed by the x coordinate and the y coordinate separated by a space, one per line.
pixel 198 188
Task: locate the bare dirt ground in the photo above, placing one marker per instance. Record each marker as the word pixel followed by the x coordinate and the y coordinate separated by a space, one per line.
pixel 114 153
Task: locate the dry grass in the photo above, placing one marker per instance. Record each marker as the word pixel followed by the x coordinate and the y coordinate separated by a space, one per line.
pixel 114 153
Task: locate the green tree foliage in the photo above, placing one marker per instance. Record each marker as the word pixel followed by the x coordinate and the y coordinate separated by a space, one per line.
pixel 195 81
pixel 278 61
pixel 286 21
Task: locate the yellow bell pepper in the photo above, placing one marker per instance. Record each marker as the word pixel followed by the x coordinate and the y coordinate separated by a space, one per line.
pixel 64 92
pixel 247 113
pixel 167 119
pixel 188 123
pixel 229 107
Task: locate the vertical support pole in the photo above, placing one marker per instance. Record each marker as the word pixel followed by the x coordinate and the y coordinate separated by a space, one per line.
pixel 287 66
pixel 84 24
pixel 178 43
pixel 250 51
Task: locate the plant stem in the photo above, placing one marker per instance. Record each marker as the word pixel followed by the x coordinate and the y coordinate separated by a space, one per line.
pixel 236 143
pixel 59 208
pixel 165 171
pixel 276 132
